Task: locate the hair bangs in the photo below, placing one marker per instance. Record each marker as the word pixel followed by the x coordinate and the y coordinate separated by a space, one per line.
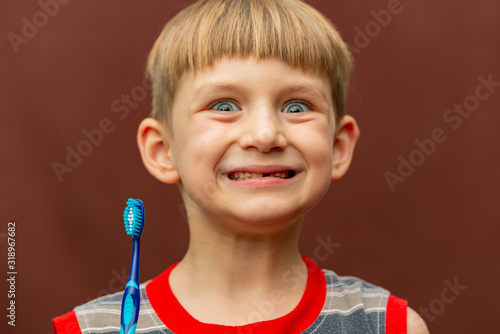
pixel 208 30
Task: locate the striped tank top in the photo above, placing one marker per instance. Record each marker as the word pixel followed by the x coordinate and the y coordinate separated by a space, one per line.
pixel 331 304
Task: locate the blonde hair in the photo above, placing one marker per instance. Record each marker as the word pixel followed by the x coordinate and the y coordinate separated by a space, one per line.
pixel 207 30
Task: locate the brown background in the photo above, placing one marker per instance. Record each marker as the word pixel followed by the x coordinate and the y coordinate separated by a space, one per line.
pixel 439 224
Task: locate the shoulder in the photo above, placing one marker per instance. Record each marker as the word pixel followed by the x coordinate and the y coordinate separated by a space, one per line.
pixel 352 296
pixel 105 309
pixel 349 294
pixel 337 280
pixel 415 323
pixel 105 306
pixel 103 315
pixel 351 284
pixel 95 314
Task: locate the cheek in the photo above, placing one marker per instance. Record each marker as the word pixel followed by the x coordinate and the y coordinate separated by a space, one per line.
pixel 320 172
pixel 195 173
pixel 319 149
pixel 197 153
pixel 321 156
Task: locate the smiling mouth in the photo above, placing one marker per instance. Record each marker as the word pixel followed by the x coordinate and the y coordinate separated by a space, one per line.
pixel 242 176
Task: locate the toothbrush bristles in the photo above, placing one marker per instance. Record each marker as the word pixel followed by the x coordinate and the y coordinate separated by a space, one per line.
pixel 133 218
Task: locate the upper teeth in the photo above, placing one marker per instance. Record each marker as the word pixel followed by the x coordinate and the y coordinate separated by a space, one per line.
pixel 239 176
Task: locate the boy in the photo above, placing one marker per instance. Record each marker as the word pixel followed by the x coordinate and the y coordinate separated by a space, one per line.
pixel 248 120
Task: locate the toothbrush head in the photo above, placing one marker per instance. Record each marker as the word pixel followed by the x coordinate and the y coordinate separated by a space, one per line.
pixel 133 217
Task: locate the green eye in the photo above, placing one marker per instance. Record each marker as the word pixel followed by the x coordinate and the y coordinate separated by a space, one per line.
pixel 296 107
pixel 225 106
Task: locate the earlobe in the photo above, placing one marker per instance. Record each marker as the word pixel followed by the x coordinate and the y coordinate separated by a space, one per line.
pixel 156 152
pixel 343 146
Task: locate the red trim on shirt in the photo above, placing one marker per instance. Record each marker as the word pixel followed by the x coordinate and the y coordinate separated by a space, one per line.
pixel 395 316
pixel 66 324
pixel 178 320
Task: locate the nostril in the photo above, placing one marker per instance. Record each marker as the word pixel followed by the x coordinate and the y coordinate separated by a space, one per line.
pixel 263 139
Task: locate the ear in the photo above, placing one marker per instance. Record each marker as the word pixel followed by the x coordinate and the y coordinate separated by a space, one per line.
pixel 155 146
pixel 343 146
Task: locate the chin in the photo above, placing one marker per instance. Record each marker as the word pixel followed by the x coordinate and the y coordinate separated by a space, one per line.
pixel 266 221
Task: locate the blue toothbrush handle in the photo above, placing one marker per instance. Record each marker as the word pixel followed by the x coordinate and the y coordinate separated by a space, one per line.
pixel 130 309
pixel 131 296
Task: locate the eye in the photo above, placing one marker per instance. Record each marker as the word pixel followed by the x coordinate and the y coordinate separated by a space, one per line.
pixel 225 106
pixel 296 107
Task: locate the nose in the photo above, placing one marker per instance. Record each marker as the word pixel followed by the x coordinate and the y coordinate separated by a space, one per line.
pixel 263 130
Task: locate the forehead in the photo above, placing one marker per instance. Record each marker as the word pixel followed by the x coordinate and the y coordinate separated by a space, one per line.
pixel 233 74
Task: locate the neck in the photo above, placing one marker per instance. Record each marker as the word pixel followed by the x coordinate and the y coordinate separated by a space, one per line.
pixel 238 269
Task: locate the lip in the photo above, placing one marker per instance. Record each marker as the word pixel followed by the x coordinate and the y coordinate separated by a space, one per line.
pixel 264 169
pixel 267 181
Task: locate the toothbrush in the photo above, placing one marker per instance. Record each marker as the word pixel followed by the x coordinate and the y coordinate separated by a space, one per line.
pixel 133 217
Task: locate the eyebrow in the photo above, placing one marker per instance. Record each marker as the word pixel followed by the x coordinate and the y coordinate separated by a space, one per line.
pixel 215 87
pixel 306 88
pixel 228 87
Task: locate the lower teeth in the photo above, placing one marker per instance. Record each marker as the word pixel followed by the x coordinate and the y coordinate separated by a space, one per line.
pixel 286 176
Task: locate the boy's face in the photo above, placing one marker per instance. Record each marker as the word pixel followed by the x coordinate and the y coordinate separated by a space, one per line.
pixel 240 122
